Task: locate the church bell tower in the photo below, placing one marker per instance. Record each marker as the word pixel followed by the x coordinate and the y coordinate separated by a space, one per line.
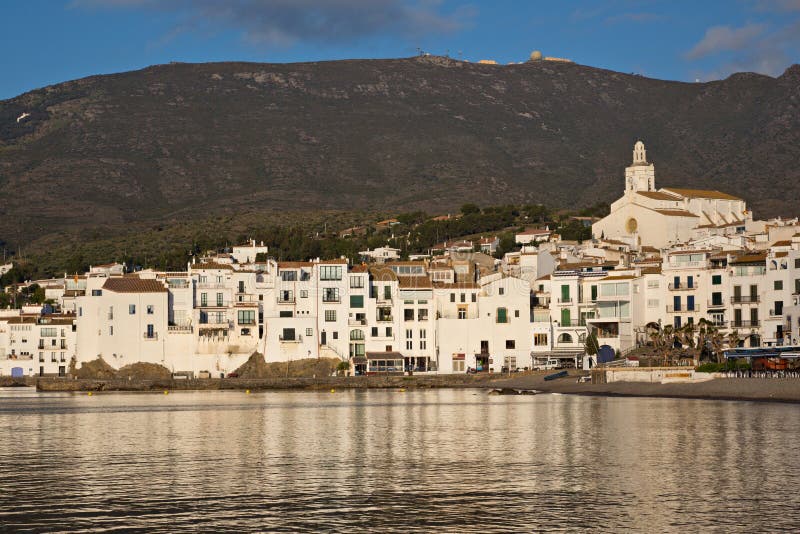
pixel 640 176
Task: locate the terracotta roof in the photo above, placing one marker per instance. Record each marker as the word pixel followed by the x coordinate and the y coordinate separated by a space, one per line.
pixel 456 285
pixel 382 273
pixel 545 277
pixel 784 243
pixel 760 257
pixel 658 195
pixel 781 254
pixel 700 193
pixel 338 261
pixel 651 270
pixel 620 277
pixel 134 285
pixel 361 268
pixel 393 354
pixel 211 265
pixel 415 282
pixel 293 264
pixel 420 263
pixel 676 213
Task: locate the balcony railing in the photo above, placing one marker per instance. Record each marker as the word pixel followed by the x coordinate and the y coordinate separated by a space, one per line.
pixel 681 287
pixel 565 300
pixel 745 324
pixel 385 319
pixel 290 300
pixel 150 337
pixel 175 329
pixel 745 299
pixel 776 313
pixel 356 322
pixel 681 309
pixel 290 339
pixel 210 285
pixel 717 304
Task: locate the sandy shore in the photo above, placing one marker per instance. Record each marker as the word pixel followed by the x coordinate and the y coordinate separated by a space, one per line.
pixel 752 389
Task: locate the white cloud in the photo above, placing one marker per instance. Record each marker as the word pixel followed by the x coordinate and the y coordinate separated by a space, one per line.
pixel 724 38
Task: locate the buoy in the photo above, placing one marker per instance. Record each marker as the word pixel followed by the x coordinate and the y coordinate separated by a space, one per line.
pixel 247 391
pixel 166 392
pixel 402 390
pixel 333 390
pixel 90 393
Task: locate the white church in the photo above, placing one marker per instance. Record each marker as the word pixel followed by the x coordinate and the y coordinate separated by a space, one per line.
pixel 645 216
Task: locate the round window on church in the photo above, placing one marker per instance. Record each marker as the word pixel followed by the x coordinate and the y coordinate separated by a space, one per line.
pixel 631 225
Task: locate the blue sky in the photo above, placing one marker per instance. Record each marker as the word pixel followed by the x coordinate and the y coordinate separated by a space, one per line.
pixel 49 41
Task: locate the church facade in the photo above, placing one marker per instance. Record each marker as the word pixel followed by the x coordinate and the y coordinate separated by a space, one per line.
pixel 645 216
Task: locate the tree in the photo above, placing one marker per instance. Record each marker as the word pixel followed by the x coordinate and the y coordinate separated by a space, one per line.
pixel 470 209
pixel 592 346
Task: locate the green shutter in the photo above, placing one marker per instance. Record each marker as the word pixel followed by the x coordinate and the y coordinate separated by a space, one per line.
pixel 565 315
pixel 502 315
pixel 716 279
pixel 356 301
pixel 564 293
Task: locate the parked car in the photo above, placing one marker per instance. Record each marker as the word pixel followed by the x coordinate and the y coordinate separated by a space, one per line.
pixel 233 375
pixel 549 364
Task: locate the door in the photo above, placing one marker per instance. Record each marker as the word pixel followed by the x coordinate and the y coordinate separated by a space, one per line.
pixel 594 293
pixel 690 302
pixel 737 293
pixel 753 293
pixel 324 338
pixel 690 282
pixel 676 303
pixel 676 282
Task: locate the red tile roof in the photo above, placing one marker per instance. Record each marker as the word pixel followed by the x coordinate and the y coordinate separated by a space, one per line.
pixel 134 285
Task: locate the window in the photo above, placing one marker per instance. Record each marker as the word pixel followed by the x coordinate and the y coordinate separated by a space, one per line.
pixel 458 365
pixel 150 309
pixel 203 299
pixel 356 301
pixel 463 297
pixel 330 272
pixel 452 297
pixel 285 295
pixel 330 316
pixel 565 338
pixel 111 330
pixel 778 285
pixel 358 335
pixel 423 344
pixel 474 297
pixel 422 333
pixel 331 294
pixel 511 344
pixel 716 279
pixel 48 332
pixel 335 335
pixel 653 284
pixel 309 332
pixel 409 333
pixel 288 334
pixel 97 292
pixel 289 276
pixel 516 313
pixel 797 263
pixel 285 313
pixel 219 299
pixel 422 314
pixel 304 293
pixel 150 332
pixel 246 316
pixel 388 331
pixel 502 315
pixel 462 313
pixel 374 331
pixel 409 345
pixel 387 292
pixel 132 309
pixel 356 281
pixel 408 314
pixel 502 291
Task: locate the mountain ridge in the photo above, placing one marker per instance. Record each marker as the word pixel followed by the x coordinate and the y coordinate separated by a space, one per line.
pixel 190 139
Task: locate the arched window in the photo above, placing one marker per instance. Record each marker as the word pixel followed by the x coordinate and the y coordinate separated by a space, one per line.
pixel 356 335
pixel 565 338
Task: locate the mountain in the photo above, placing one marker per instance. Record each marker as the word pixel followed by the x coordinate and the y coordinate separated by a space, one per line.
pixel 183 141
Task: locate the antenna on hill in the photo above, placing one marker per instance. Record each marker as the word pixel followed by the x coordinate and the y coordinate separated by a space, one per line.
pixel 419 51
pixel 460 54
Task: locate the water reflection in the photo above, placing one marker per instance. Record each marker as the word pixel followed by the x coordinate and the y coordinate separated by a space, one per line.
pixel 384 460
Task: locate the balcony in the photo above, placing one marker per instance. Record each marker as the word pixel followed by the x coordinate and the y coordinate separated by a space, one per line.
pixel 745 324
pixel 717 304
pixel 745 299
pixel 565 300
pixel 681 287
pixel 215 304
pixel 385 319
pixel 719 324
pixel 290 339
pixel 150 336
pixel 681 309
pixel 211 285
pixel 356 322
pixel 331 300
pixel 776 313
